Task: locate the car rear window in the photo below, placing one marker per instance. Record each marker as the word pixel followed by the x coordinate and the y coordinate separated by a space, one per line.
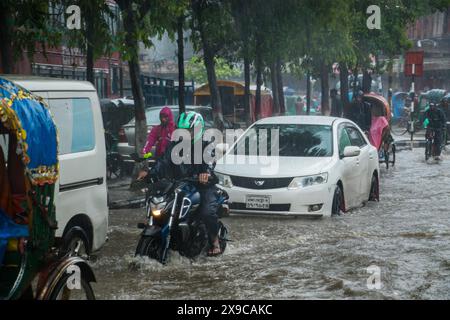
pixel 295 140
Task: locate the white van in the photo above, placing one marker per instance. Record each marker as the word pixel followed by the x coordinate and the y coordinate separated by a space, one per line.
pixel 81 192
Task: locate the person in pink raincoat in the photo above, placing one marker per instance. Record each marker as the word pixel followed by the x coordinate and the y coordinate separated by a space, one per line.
pixel 160 135
pixel 378 130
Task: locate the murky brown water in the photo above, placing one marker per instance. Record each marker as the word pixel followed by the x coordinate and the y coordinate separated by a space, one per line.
pixel 407 235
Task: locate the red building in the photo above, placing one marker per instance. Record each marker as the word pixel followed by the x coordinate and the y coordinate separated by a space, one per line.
pixel 70 63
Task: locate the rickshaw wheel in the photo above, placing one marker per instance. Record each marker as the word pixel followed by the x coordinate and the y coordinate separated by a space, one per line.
pixel 62 292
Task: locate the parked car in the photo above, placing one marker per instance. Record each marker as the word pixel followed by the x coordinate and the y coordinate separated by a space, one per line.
pixel 81 192
pixel 325 165
pixel 126 145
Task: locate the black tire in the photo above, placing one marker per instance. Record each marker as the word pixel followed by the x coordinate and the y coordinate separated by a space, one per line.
pixel 338 200
pixel 386 159
pixel 393 149
pixel 428 147
pixel 149 247
pixel 198 243
pixel 62 292
pixel 223 234
pixel 76 243
pixel 374 194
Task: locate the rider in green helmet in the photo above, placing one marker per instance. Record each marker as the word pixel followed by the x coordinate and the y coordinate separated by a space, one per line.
pixel 166 167
pixel 193 122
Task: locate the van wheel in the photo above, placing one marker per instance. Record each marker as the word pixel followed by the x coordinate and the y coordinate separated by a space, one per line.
pixel 338 201
pixel 76 243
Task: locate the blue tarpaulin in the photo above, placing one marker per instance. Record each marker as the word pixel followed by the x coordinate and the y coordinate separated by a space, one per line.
pixel 9 230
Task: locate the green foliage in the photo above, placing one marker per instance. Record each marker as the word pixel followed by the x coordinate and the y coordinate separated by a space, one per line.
pixel 27 23
pixel 195 70
pixel 95 15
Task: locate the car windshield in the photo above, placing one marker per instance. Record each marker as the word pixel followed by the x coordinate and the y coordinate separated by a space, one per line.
pixel 295 140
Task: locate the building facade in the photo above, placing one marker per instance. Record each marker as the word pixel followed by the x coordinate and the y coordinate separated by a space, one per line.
pixel 70 63
pixel 432 35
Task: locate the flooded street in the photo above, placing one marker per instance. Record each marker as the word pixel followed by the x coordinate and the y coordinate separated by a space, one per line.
pixel 406 235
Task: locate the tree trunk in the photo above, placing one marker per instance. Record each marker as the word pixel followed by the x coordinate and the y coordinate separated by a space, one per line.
pixel 390 79
pixel 180 42
pixel 208 54
pixel 258 63
pixel 280 87
pixel 343 77
pixel 247 94
pixel 90 50
pixel 274 80
pixel 308 92
pixel 216 102
pixel 367 82
pixel 6 48
pixel 325 87
pixel 130 26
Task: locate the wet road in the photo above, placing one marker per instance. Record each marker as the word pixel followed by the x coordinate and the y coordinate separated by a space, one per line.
pixel 406 235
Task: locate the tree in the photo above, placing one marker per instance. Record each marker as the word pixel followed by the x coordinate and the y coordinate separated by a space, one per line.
pixel 169 17
pixel 23 25
pixel 243 23
pixel 211 30
pixel 196 70
pixel 95 38
pixel 133 12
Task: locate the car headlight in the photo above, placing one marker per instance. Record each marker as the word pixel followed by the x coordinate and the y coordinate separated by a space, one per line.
pixel 224 180
pixel 307 181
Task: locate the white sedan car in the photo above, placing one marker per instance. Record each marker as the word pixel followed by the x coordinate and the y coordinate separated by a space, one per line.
pixel 300 165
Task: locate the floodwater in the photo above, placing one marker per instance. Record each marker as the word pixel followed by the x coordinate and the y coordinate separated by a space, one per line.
pixel 406 236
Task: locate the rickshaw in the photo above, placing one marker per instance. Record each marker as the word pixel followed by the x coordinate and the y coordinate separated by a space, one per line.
pixel 31 266
pixel 380 132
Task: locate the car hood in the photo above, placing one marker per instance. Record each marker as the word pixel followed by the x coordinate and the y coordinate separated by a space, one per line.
pixel 253 166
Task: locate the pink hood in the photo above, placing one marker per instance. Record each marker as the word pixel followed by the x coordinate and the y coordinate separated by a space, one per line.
pixel 160 136
pixel 168 112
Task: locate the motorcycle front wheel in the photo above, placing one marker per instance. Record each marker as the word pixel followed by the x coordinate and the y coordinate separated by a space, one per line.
pixel 150 247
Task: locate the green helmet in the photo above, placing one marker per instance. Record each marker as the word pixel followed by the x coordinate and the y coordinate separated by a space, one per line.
pixel 192 120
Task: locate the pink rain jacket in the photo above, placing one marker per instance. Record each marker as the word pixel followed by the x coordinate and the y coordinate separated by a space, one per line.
pixel 376 131
pixel 160 135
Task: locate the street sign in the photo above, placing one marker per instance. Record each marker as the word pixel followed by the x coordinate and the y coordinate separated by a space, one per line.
pixel 414 63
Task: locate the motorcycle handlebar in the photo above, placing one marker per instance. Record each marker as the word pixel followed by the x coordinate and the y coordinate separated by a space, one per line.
pixel 195 178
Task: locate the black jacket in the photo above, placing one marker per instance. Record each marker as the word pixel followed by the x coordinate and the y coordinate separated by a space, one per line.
pixel 360 114
pixel 437 118
pixel 166 168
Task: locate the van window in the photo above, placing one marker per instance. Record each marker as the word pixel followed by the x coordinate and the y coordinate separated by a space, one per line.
pixel 75 123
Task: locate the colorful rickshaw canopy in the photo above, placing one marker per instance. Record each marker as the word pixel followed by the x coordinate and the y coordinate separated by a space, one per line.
pixel 28 117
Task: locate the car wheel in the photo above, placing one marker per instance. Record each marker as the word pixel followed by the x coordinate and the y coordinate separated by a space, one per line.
pixel 338 201
pixel 374 194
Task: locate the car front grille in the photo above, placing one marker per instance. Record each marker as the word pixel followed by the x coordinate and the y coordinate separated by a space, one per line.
pixel 272 207
pixel 260 183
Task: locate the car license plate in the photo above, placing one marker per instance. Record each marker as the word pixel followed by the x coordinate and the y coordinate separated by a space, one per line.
pixel 257 202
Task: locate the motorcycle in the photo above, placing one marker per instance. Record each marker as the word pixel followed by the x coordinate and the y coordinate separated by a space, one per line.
pixel 173 222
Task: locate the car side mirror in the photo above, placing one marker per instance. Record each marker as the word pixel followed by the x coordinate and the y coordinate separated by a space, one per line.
pixel 351 151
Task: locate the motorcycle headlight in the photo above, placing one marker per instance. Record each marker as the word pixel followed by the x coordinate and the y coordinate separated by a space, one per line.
pixel 307 181
pixel 157 205
pixel 224 180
